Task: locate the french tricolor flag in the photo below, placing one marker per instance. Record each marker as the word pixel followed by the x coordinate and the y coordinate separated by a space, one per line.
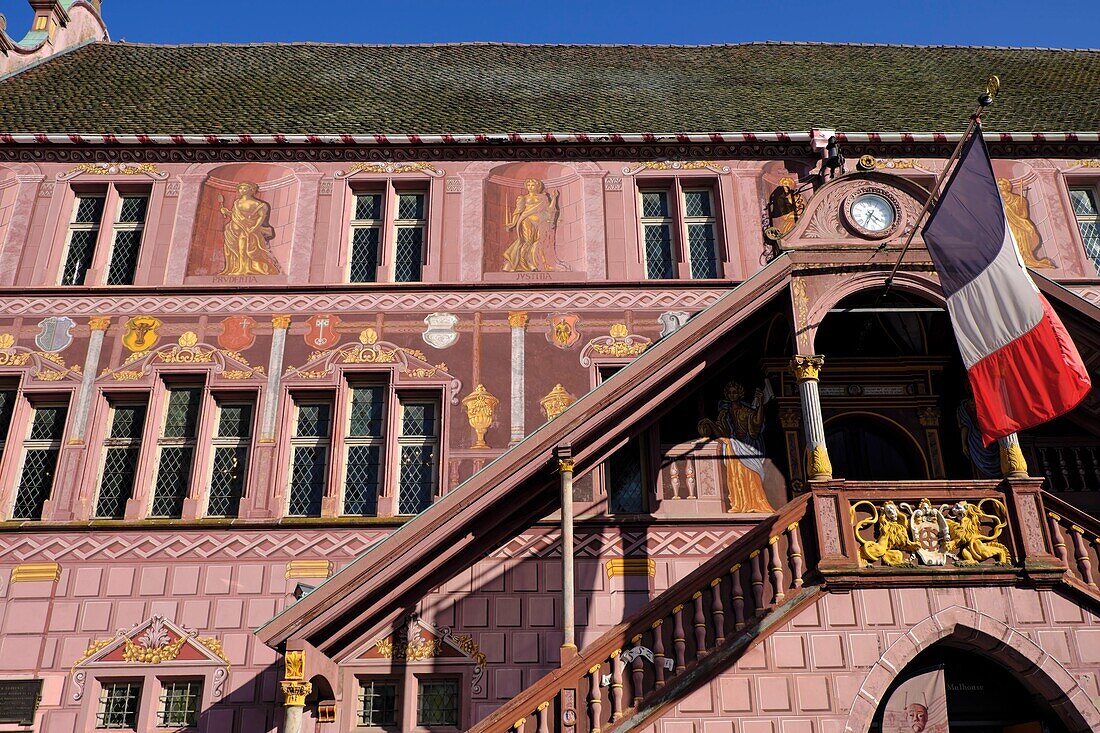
pixel 1023 367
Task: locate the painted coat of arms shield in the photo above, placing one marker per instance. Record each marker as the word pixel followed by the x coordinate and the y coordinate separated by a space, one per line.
pixel 563 330
pixel 441 330
pixel 54 334
pixel 322 332
pixel 141 333
pixel 237 333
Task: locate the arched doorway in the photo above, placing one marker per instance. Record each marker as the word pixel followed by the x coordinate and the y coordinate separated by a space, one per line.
pixel 865 447
pixel 981 697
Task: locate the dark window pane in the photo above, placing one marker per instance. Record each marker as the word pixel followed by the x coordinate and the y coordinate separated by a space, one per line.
pixel 704 263
pixel 79 257
pixel 378 704
pixel 227 481
pixel 117 484
pixel 132 210
pixel 128 422
pixel 235 421
pixel 124 257
pixel 366 412
pixel 364 255
pixel 417 478
pixel 179 704
pixel 654 204
pixel 418 419
pixel 361 484
pixel 183 413
pixel 437 703
pixel 39 467
pixel 409 255
pixel 410 206
pixel 658 251
pixel 624 478
pixel 118 706
pixel 307 481
pixel 89 210
pixel 1084 202
pixel 368 206
pixel 313 420
pixel 173 477
pixel 697 203
pixel 49 422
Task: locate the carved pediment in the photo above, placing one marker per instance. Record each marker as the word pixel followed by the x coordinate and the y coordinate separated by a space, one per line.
pixel 829 220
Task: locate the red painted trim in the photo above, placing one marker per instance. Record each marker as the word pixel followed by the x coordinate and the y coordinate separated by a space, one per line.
pixel 1033 379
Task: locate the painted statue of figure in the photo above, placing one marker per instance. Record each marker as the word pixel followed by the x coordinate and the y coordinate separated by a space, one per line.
pixel 740 428
pixel 534 220
pixel 247 234
pixel 985 459
pixel 786 206
pixel 1023 229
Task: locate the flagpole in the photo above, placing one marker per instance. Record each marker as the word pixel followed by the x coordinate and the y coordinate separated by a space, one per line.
pixel 992 85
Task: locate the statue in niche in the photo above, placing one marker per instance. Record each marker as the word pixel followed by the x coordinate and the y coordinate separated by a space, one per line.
pixel 1027 236
pixel 535 221
pixel 247 234
pixel 786 206
pixel 740 429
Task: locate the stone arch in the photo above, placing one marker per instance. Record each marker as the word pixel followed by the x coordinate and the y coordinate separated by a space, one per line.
pixel 916 283
pixel 1037 670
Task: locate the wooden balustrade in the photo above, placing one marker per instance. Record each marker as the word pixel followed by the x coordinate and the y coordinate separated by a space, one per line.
pixel 670 636
pixel 1075 538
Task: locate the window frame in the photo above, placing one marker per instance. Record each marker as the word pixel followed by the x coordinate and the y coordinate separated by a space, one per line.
pixel 1092 188
pixel 676 189
pixel 106 230
pixel 378 224
pixel 115 401
pixel 158 713
pixel 648 451
pixel 327 397
pixel 405 398
pixel 690 221
pixel 347 441
pixel 161 441
pixel 399 701
pixel 34 403
pixel 401 224
pixel 429 185
pixel 436 677
pixel 219 401
pixel 669 220
pixel 98 712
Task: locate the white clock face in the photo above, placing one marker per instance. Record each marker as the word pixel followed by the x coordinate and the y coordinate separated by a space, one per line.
pixel 873 212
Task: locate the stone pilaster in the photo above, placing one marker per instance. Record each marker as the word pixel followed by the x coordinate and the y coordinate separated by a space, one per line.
pixel 517 320
pixel 279 325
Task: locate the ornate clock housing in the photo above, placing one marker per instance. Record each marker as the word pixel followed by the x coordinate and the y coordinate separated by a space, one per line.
pixel 873 212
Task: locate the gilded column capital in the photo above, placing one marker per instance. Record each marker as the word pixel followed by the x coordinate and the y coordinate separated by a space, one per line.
pixel 806 368
pixel 566 465
pixel 295 665
pixel 1013 463
pixel 295 693
pixel 99 323
pixel 280 321
pixel 517 319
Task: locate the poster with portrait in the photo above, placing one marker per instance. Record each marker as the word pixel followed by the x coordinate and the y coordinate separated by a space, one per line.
pixel 918 705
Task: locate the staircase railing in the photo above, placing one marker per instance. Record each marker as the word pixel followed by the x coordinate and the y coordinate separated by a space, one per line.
pixel 1075 537
pixel 614 675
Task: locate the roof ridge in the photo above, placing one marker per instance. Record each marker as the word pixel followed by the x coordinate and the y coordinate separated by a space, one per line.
pixel 519 44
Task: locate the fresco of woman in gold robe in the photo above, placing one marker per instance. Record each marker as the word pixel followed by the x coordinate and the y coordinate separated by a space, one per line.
pixel 1027 236
pixel 740 429
pixel 534 220
pixel 247 234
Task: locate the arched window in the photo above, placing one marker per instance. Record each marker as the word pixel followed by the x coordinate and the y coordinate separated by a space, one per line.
pixel 865 447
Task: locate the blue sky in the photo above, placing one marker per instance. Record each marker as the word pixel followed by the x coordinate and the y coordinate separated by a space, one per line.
pixel 1012 22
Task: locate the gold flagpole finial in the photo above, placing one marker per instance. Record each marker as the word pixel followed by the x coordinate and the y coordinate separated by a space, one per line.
pixel 992 86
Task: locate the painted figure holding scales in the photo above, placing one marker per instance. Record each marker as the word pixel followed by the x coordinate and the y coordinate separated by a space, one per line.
pixel 534 220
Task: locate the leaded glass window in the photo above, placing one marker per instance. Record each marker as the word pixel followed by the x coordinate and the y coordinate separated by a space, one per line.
pixel 624 479
pixel 1084 201
pixel 230 459
pixel 364 442
pixel 409 224
pixel 699 223
pixel 378 703
pixel 310 447
pixel 437 703
pixel 127 240
pixel 366 234
pixel 179 704
pixel 123 444
pixel 657 235
pixel 177 451
pixel 40 452
pixel 418 446
pixel 119 703
pixel 83 233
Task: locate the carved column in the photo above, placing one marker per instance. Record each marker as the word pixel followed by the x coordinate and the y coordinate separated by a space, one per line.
pixel 1013 464
pixel 930 420
pixel 295 690
pixel 806 370
pixel 569 639
pixel 517 320
pixel 98 327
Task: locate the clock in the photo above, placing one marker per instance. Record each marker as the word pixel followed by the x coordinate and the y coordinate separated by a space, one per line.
pixel 872 213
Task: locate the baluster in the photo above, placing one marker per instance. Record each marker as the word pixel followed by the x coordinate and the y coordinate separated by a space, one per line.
pixel 757 583
pixel 1064 469
pixel 658 655
pixel 1084 562
pixel 674 480
pixel 1095 466
pixel 794 550
pixel 717 612
pixel 1057 539
pixel 738 598
pixel 1044 462
pixel 777 572
pixel 679 644
pixel 544 715
pixel 595 697
pixel 700 622
pixel 689 477
pixel 518 725
pixel 1080 468
pixel 637 672
pixel 616 685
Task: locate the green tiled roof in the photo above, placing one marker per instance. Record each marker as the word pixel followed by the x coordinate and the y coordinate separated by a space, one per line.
pixel 492 88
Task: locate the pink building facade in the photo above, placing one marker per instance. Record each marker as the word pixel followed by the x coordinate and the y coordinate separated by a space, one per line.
pixel 286 413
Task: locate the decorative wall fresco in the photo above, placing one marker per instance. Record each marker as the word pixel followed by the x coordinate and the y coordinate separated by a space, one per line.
pixel 739 427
